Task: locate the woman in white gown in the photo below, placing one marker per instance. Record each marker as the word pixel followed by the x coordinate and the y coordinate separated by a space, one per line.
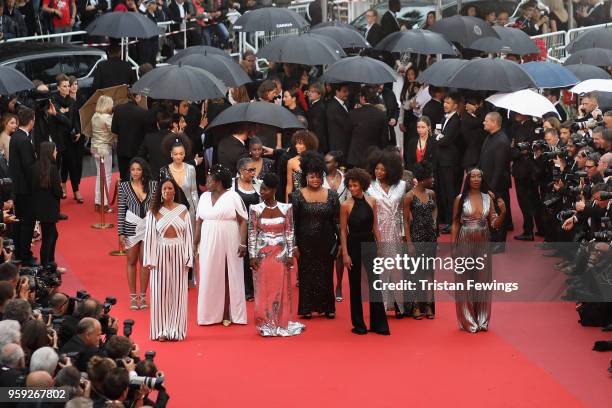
pixel 221 233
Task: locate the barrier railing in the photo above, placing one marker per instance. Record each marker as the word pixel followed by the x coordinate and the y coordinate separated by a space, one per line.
pixel 555 44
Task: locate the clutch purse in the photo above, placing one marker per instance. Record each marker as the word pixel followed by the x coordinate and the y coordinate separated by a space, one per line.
pixel 334 250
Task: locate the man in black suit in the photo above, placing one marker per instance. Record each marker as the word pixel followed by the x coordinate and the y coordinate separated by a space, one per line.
pixel 392 109
pixel 113 71
pixel 434 108
pixel 86 342
pixel 389 23
pixel 316 115
pixel 553 95
pixel 373 32
pixel 368 126
pixel 12 368
pixel 21 159
pixel 448 178
pixel 180 10
pixel 232 148
pixel 151 147
pixel 130 126
pixel 338 131
pixel 495 165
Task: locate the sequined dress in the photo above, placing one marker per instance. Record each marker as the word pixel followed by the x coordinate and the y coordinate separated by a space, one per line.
pixel 271 241
pixel 316 235
pixel 423 237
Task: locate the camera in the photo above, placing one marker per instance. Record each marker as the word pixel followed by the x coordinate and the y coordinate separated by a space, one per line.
pixel 603 236
pixel 565 214
pixel 6 186
pixel 150 382
pixel 104 320
pixel 109 301
pixel 128 324
pixel 42 279
pixel 150 355
pixel 523 146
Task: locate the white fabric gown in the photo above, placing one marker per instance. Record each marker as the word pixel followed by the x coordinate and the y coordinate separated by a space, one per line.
pixel 219 242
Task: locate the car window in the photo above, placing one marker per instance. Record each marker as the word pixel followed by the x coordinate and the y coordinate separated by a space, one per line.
pixel 81 65
pixel 20 66
pixel 46 68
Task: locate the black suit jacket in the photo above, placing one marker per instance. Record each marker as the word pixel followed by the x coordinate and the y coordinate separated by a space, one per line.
pixel 113 72
pixel 46 200
pixel 495 161
pixel 317 123
pixel 229 151
pixel 75 344
pixel 151 151
pixel 314 13
pixel 374 35
pixel 434 110
pixel 431 152
pixel 368 125
pixel 523 165
pixel 448 144
pixel 21 159
pixel 389 24
pixel 338 129
pixel 130 123
pixel 561 111
pixel 473 135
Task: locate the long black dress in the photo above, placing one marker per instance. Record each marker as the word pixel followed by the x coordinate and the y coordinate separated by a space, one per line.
pixel 360 222
pixel 249 198
pixel 423 236
pixel 315 236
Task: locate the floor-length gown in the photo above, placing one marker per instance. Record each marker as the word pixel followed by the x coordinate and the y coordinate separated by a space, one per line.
pixel 474 306
pixel 248 198
pixel 316 235
pixel 424 239
pixel 219 244
pixel 271 241
pixel 170 258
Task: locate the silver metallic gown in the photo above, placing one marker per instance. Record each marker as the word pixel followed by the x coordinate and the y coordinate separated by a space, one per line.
pixel 474 306
pixel 271 241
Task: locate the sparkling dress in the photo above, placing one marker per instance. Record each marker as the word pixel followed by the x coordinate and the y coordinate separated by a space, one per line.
pixel 474 306
pixel 271 241
pixel 424 239
pixel 316 235
pixel 390 222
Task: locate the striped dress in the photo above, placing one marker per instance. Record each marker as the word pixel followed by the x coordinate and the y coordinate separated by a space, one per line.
pixel 132 212
pixel 170 259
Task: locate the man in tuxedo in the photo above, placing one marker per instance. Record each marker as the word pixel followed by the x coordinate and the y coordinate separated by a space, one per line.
pixel 316 115
pixel 553 95
pixel 389 23
pixel 368 126
pixel 130 123
pixel 448 179
pixel 151 147
pixel 338 130
pixel 232 148
pixel 21 159
pixel 392 109
pixel 113 71
pixel 495 165
pixel 434 108
pixel 373 32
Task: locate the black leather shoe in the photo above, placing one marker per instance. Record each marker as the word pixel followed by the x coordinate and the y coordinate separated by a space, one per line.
pixel 63 217
pixel 524 237
pixel 359 331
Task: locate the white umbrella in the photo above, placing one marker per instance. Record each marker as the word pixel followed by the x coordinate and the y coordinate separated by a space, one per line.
pixel 526 102
pixel 592 85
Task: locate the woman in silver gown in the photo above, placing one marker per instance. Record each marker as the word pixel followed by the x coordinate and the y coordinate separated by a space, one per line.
pixel 473 214
pixel 271 244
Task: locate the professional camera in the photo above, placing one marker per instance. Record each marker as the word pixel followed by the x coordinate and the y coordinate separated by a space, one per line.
pixel 42 279
pixel 128 324
pixel 81 295
pixel 586 125
pixel 150 382
pixel 565 214
pixel 150 355
pixel 109 301
pixel 524 146
pixel 33 99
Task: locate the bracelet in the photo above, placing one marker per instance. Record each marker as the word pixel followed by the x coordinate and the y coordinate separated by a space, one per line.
pixel 242 246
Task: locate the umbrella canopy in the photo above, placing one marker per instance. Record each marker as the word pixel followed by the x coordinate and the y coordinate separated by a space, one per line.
pixel 586 71
pixel 600 57
pixel 346 37
pixel 269 19
pixel 304 49
pixel 223 68
pixel 550 75
pixel 592 85
pixel 12 81
pixel 464 30
pixel 597 38
pixel 333 24
pixel 180 82
pixel 263 113
pixel 119 95
pixel 487 74
pixel 417 41
pixel 361 70
pixel 118 24
pixel 441 71
pixel 526 102
pixel 513 41
pixel 197 50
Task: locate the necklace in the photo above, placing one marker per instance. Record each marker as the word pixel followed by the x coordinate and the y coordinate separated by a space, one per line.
pixel 271 207
pixel 182 169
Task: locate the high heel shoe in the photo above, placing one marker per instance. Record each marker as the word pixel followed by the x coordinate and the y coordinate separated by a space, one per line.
pixel 330 315
pixel 429 313
pixel 227 322
pixel 134 301
pixel 78 198
pixel 417 314
pixel 143 301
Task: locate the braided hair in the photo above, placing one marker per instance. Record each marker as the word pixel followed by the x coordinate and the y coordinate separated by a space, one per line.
pixel 222 174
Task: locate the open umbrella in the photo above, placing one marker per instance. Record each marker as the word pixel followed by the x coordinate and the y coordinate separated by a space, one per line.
pixel 269 19
pixel 361 70
pixel 12 81
pixel 464 30
pixel 180 82
pixel 596 38
pixel 513 41
pixel 346 37
pixel 599 57
pixel 593 85
pixel 333 24
pixel 526 102
pixel 263 113
pixel 441 71
pixel 304 49
pixel 119 24
pixel 550 75
pixel 417 41
pixel 198 50
pixel 586 71
pixel 488 74
pixel 223 68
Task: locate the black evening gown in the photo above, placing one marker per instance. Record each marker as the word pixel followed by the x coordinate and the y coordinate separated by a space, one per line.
pixel 423 236
pixel 316 235
pixel 248 197
pixel 360 222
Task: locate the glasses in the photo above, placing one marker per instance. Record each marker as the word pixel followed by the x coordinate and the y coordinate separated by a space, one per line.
pixel 251 170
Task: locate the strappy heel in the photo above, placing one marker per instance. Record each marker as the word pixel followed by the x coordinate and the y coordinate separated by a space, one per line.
pixel 134 301
pixel 143 301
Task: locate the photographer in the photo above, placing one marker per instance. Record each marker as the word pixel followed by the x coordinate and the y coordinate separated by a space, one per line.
pixel 602 140
pixel 147 368
pixel 12 366
pixel 590 114
pixel 10 273
pixel 86 342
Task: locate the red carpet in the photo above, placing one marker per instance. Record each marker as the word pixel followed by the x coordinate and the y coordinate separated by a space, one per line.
pixel 535 354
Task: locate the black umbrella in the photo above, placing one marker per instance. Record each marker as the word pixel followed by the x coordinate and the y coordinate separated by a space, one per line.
pixel 586 71
pixel 333 24
pixel 597 38
pixel 417 41
pixel 347 38
pixel 12 81
pixel 180 82
pixel 223 68
pixel 269 19
pixel 491 74
pixel 513 41
pixel 263 113
pixel 464 30
pixel 304 49
pixel 197 50
pixel 599 57
pixel 361 70
pixel 119 24
pixel 441 71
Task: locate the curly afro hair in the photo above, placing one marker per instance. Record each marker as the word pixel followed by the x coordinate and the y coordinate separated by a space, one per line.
pixel 311 162
pixel 359 175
